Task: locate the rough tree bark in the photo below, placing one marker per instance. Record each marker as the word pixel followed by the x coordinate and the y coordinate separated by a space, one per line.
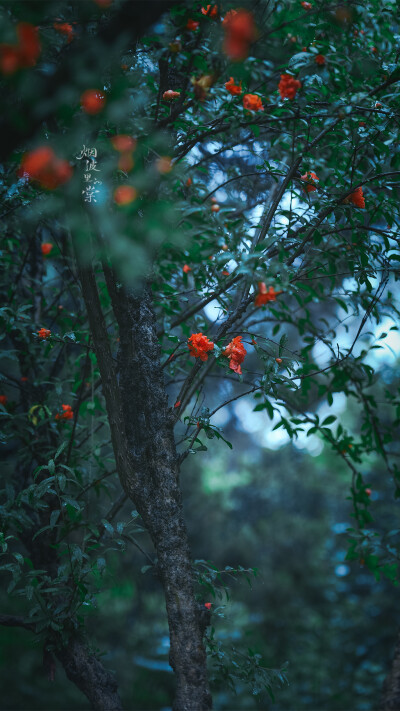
pixel 391 688
pixel 142 435
pixel 89 675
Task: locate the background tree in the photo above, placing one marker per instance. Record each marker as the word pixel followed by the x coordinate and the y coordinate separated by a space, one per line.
pixel 199 206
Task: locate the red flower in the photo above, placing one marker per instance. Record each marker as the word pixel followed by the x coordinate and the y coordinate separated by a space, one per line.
pixel 309 177
pixel 240 32
pixel 252 102
pixel 43 166
pixel 264 296
pixel 214 208
pixel 320 59
pixel 356 198
pixel 9 59
pixel 67 413
pixel 236 351
pixel 306 5
pixel 125 194
pixel 93 101
pixel 24 379
pixel 3 400
pixel 189 182
pixel 29 45
pixel 123 143
pixel 192 25
pixel 362 123
pixel 199 346
pixel 210 13
pixel 368 492
pixel 225 272
pixel 288 86
pixel 278 360
pixel 164 164
pixel 46 248
pixel 178 402
pixel 208 605
pixel 125 162
pixel 186 268
pixel 171 95
pixel 21 55
pixel 234 89
pixel 44 333
pixel 66 29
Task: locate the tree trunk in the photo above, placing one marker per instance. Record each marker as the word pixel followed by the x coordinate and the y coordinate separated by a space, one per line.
pixel 391 687
pixel 89 675
pixel 142 434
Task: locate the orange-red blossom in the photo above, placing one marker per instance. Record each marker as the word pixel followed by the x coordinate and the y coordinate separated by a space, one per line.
pixel 288 86
pixel 66 29
pixel 236 352
pixel 125 145
pixel 356 198
pixel 234 89
pixel 46 248
pixel 199 346
pixel 252 102
pixel 240 32
pixel 67 413
pixel 93 101
pixel 170 95
pixel 265 295
pixel 3 400
pixel 44 333
pixel 210 11
pixel 309 177
pixel 21 55
pixel 43 166
pixel 192 25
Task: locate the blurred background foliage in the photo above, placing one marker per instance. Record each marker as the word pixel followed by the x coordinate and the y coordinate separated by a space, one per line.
pixel 283 512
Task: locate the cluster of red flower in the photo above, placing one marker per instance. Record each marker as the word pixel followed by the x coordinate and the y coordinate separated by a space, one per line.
pixel 44 333
pixel 199 346
pixel 171 95
pixel 67 413
pixel 356 198
pixel 234 89
pixel 21 55
pixel 264 295
pixel 288 86
pixel 43 166
pixel 310 178
pixel 210 11
pixel 240 32
pixel 236 352
pixel 125 145
pixel 92 101
pixel 252 102
pixel 192 25
pixel 65 29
